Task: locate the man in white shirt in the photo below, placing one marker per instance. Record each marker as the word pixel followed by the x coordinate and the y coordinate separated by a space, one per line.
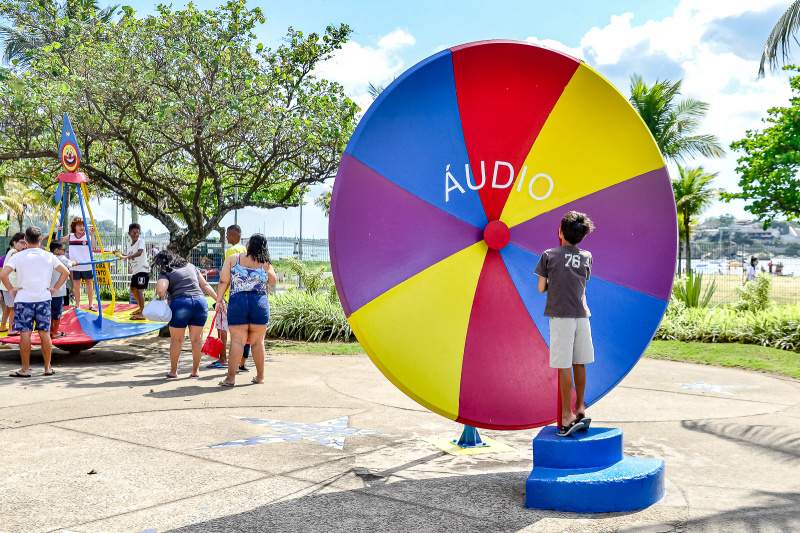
pixel 139 268
pixel 34 268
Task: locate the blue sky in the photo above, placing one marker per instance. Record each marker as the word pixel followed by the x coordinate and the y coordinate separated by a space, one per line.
pixel 713 45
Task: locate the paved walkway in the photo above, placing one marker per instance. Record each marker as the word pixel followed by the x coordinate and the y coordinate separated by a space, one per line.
pixel 329 445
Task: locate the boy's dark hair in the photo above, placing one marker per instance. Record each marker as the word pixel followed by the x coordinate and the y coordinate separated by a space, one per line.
pixel 55 245
pixel 133 226
pixel 236 228
pixel 17 237
pixel 33 235
pixel 753 260
pixel 575 226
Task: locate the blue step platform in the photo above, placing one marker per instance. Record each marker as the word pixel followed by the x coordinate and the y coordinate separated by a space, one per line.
pixel 588 473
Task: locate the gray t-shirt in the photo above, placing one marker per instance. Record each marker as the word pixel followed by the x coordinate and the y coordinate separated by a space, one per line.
pixel 567 268
pixel 183 281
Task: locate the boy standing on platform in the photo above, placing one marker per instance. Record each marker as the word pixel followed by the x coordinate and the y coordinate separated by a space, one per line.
pixel 34 268
pixel 139 268
pixel 563 273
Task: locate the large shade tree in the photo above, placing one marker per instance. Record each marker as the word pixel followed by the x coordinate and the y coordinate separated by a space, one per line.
pixel 769 163
pixel 182 114
pixel 673 120
pixel 693 194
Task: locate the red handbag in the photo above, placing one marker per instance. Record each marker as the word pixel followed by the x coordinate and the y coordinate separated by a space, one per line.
pixel 213 346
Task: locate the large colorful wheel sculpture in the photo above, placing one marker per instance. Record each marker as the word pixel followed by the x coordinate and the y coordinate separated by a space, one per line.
pixel 450 189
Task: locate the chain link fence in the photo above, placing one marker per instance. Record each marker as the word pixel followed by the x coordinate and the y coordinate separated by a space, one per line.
pixel 726 265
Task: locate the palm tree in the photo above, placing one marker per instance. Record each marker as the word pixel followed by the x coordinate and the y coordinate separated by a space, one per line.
pixel 20 42
pixel 781 39
pixel 673 122
pixel 323 201
pixel 693 194
pixel 20 201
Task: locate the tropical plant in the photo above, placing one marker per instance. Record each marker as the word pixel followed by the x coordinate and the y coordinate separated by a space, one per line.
pixel 20 43
pixel 673 122
pixel 323 201
pixel 307 317
pixel 690 292
pixel 769 164
pixel 776 326
pixel 313 280
pixel 781 39
pixel 754 295
pixel 693 194
pixel 189 131
pixel 21 200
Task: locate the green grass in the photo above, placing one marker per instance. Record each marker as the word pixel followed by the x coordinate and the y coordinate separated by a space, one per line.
pixel 746 356
pixel 318 348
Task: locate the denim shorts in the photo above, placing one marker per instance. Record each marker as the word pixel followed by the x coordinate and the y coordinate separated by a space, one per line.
pixel 248 307
pixel 28 313
pixel 56 307
pixel 188 311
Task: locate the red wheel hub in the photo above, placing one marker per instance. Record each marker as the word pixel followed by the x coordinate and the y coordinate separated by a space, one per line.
pixel 496 234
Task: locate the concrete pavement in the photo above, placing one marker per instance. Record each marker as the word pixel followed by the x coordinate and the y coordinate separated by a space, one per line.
pixel 328 444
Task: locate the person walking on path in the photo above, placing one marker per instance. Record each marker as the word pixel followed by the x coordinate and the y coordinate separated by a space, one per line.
pixel 233 236
pixel 78 252
pixel 249 276
pixel 139 268
pixel 185 286
pixel 563 273
pixel 17 244
pixel 34 268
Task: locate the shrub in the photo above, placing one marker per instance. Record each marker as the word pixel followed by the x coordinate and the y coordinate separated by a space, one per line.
pixel 304 316
pixel 123 295
pixel 776 326
pixel 754 296
pixel 313 279
pixel 689 290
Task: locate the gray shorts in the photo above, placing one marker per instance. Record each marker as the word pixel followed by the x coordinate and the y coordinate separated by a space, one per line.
pixel 8 299
pixel 570 342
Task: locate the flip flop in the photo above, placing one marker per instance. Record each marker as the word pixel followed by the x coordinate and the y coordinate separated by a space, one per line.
pixel 566 431
pixel 244 369
pixel 18 374
pixel 170 375
pixel 255 381
pixel 13 334
pixel 49 373
pixel 137 317
pixel 587 421
pixel 226 384
pixel 217 364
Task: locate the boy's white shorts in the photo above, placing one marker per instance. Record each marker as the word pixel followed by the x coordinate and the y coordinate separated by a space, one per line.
pixel 570 342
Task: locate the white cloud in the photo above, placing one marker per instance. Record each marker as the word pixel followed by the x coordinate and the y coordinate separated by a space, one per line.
pixel 399 38
pixel 714 46
pixel 554 44
pixel 357 65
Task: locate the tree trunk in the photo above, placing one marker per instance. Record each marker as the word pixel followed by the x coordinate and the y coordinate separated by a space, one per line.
pixel 688 242
pixel 680 256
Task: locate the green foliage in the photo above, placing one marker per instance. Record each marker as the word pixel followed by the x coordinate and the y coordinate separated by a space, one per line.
pixel 754 296
pixel 770 162
pixel 776 326
pixel 323 201
pixel 781 39
pixel 123 295
pixel 181 113
pixel 313 279
pixel 673 122
pixel 308 317
pixel 693 194
pixel 689 291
